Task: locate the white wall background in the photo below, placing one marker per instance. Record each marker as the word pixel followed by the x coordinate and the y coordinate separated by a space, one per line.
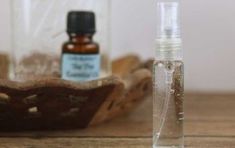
pixel 208 33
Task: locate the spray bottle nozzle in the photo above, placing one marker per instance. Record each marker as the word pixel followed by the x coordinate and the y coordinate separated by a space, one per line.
pixel 168 37
pixel 168 23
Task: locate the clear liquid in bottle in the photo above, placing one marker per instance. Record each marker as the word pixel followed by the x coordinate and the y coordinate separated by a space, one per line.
pixel 168 112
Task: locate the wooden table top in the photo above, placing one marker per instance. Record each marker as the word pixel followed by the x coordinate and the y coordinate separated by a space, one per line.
pixel 210 123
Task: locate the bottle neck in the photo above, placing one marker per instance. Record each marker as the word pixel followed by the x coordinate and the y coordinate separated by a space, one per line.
pixel 169 49
pixel 81 38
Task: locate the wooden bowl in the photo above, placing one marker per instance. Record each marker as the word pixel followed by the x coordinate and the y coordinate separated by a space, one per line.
pixel 52 103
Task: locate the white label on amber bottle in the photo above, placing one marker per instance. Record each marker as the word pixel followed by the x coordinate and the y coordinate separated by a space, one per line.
pixel 80 68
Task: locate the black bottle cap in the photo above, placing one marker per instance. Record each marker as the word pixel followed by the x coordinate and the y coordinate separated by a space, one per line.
pixel 81 22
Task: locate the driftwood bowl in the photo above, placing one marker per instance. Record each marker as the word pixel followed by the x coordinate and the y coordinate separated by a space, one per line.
pixel 58 104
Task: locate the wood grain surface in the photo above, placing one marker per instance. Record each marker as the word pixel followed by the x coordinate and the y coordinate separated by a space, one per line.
pixel 210 123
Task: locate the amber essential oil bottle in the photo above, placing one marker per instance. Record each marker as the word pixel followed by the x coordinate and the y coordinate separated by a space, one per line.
pixel 80 55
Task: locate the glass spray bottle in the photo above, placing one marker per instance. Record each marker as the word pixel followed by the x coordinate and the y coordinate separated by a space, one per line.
pixel 168 79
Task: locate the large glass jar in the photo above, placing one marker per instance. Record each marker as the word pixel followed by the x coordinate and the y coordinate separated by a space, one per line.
pixel 39 30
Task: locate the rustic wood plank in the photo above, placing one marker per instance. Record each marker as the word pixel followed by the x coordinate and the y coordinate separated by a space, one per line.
pixel 210 115
pixel 191 142
pixel 209 128
pixel 210 107
pixel 203 129
pixel 209 142
pixel 206 115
